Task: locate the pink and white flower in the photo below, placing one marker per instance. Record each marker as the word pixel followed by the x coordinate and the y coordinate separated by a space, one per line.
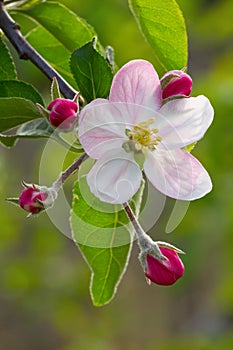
pixel 134 131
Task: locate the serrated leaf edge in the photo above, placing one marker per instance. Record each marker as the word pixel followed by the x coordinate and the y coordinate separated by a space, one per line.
pixel 92 272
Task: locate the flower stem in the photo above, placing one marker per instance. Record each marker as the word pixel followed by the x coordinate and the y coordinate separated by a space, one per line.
pixel 27 52
pixel 138 228
pixel 69 171
pixel 145 242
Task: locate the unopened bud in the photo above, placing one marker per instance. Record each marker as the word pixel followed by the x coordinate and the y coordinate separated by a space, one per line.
pixel 63 113
pixel 164 272
pixel 176 82
pixel 31 200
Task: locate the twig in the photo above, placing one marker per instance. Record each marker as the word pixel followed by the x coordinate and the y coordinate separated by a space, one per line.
pixel 70 170
pixel 12 31
pixel 145 242
pixel 138 229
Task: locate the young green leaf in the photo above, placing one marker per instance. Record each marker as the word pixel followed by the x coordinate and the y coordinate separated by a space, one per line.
pixel 163 26
pixel 91 72
pixel 52 51
pixel 104 237
pixel 23 3
pixel 15 111
pixel 8 140
pixel 15 88
pixel 59 33
pixel 37 128
pixel 7 67
pixel 18 94
pixel 69 29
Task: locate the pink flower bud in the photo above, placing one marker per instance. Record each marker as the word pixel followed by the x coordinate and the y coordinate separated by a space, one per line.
pixel 31 198
pixel 63 113
pixel 164 272
pixel 176 82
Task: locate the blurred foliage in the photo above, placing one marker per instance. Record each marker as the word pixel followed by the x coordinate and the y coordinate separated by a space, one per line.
pixel 44 299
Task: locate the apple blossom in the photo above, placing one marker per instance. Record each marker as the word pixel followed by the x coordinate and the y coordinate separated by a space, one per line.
pixel 63 113
pixel 134 131
pixel 164 272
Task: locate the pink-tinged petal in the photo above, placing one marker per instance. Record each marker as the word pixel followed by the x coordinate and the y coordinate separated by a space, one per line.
pixel 165 272
pixel 115 178
pixel 184 121
pixel 102 125
pixel 137 82
pixel 177 174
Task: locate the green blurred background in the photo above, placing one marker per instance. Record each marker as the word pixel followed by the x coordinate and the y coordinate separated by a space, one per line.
pixel 44 296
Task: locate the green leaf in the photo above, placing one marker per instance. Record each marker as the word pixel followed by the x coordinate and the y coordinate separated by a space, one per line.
pixel 13 95
pixel 91 72
pixel 24 3
pixel 69 29
pixel 163 26
pixel 104 237
pixel 37 128
pixel 7 67
pixel 42 128
pixel 15 88
pixel 15 111
pixel 52 51
pixel 60 32
pixel 62 23
pixel 8 140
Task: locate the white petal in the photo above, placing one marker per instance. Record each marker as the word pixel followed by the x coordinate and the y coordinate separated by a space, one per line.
pixel 184 121
pixel 137 82
pixel 115 178
pixel 102 125
pixel 177 174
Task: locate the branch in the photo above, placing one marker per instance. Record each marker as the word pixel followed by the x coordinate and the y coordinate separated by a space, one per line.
pixel 27 52
pixel 70 170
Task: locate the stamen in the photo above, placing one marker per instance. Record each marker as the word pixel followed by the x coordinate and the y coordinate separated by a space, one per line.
pixel 143 137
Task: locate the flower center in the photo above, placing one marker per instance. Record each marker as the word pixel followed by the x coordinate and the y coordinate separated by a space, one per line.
pixel 143 137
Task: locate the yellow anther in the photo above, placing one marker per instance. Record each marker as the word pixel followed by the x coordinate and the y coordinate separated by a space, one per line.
pixel 143 137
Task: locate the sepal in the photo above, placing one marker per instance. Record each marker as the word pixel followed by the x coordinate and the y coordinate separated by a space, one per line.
pixel 55 90
pixel 14 201
pixel 43 111
pixel 168 245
